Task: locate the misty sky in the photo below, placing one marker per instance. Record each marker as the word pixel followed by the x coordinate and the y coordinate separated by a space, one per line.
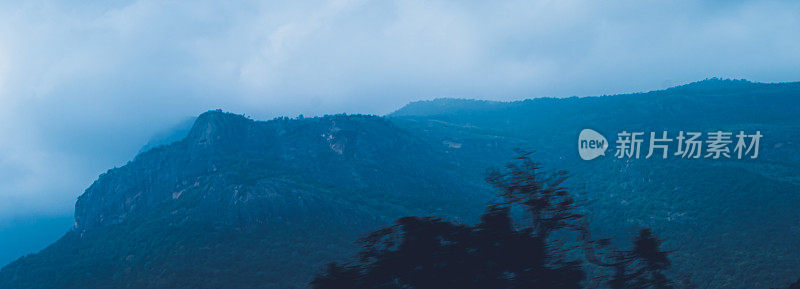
pixel 83 87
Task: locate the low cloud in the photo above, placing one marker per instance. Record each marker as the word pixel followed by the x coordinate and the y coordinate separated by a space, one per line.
pixel 83 87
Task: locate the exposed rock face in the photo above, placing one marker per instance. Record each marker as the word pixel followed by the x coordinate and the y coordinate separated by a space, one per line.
pixel 265 204
pixel 229 160
pixel 282 197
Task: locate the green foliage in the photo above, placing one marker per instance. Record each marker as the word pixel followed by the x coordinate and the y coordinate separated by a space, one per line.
pixel 266 204
pixel 495 253
pixel 735 221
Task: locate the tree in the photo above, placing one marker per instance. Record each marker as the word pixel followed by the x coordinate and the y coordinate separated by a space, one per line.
pixel 643 266
pixel 422 253
pixel 431 253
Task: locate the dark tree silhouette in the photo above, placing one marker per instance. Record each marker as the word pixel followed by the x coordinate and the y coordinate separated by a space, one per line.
pixel 424 253
pixel 550 206
pixel 431 253
pixel 643 266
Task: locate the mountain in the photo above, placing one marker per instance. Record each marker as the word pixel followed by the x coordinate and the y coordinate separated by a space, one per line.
pixel 731 221
pixel 247 204
pixel 239 203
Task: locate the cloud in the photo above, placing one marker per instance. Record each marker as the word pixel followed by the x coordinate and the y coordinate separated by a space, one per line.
pixel 83 87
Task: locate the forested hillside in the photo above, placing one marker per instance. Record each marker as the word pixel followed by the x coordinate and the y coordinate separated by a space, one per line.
pixel 239 203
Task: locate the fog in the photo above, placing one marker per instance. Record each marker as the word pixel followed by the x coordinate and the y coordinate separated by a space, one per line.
pixel 83 87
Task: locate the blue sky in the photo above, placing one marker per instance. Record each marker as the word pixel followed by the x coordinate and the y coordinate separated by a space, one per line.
pixel 83 87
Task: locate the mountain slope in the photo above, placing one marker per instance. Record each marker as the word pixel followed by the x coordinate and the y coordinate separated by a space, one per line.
pixel 264 204
pixel 732 221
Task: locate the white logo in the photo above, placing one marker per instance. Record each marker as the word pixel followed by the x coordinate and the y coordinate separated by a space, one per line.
pixel 591 144
pixel 687 145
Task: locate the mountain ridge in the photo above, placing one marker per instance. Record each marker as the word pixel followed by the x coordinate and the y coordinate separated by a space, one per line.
pixel 240 203
pixel 464 104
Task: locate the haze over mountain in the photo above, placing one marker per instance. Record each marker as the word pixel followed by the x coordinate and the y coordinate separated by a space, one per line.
pixel 265 204
pixel 84 85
